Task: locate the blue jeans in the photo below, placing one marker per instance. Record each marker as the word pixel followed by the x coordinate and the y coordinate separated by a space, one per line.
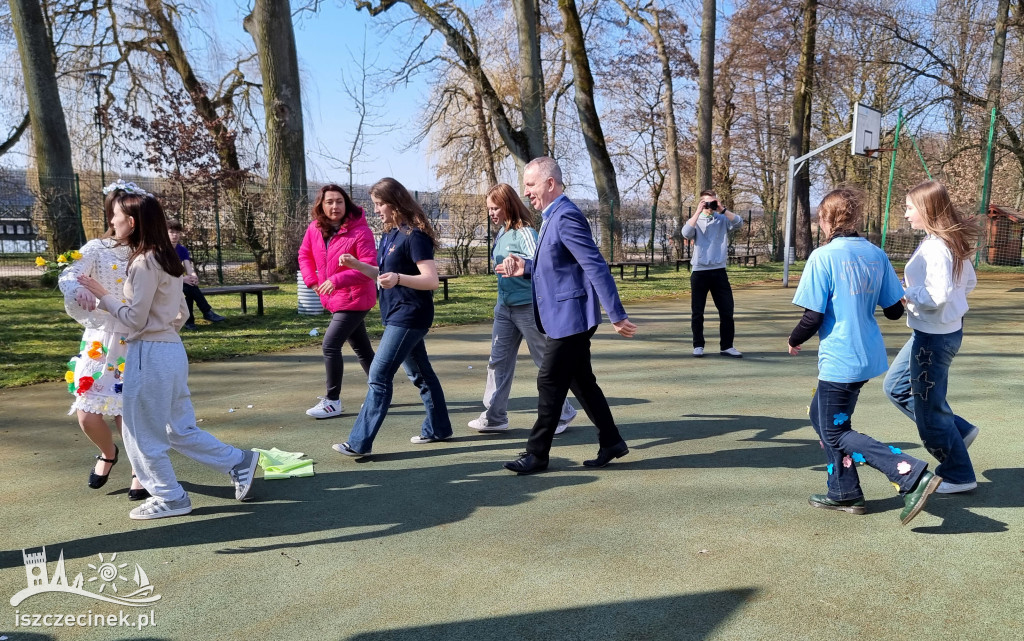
pixel 400 346
pixel 831 413
pixel 512 323
pixel 916 383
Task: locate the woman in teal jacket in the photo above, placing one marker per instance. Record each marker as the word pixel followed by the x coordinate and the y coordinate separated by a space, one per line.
pixel 513 314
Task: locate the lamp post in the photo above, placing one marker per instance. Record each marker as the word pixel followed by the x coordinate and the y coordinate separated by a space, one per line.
pixel 97 78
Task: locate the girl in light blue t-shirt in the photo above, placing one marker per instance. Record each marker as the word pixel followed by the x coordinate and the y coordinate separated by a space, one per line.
pixel 842 284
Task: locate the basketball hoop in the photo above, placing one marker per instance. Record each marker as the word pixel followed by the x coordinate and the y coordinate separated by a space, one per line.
pixel 870 153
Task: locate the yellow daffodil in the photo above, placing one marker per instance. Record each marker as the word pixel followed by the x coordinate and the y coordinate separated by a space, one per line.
pixel 62 259
pixel 75 255
pixel 40 261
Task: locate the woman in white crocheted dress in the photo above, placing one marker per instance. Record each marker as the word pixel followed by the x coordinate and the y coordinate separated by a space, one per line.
pixel 94 374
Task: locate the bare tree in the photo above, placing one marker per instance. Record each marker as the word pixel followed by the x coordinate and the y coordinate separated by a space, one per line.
pixel 650 16
pixel 49 129
pixel 522 144
pixel 799 128
pixel 600 161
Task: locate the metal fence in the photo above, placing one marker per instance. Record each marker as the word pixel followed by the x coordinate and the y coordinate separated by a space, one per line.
pixel 232 232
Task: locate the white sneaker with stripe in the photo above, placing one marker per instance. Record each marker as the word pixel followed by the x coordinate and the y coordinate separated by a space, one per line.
pixel 157 508
pixel 244 474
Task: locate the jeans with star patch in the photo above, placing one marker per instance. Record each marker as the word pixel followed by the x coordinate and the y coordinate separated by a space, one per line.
pixel 916 383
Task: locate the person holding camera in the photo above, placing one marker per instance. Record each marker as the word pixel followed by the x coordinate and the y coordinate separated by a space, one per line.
pixel 710 227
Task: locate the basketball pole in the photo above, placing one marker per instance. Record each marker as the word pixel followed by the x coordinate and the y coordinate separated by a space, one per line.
pixel 795 164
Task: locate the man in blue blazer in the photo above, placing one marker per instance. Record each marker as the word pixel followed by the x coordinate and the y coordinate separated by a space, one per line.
pixel 571 281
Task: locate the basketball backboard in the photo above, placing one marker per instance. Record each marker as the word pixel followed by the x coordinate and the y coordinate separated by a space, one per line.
pixel 867 130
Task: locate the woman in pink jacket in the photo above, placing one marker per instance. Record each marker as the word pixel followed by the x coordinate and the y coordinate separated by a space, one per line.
pixel 339 227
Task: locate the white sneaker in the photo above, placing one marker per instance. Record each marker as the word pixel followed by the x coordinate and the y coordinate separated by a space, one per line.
pixel 157 508
pixel 955 488
pixel 420 440
pixel 563 424
pixel 244 474
pixel 973 434
pixel 698 352
pixel 326 408
pixel 346 449
pixel 481 425
pixel 732 351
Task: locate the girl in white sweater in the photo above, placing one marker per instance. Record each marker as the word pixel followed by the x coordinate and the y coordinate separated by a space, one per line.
pixel 938 278
pixel 158 414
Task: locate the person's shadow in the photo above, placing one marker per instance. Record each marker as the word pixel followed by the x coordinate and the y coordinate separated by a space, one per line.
pixel 355 505
pixel 686 617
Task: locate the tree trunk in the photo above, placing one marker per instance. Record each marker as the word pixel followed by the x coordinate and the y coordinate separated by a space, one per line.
pixel 270 25
pixel 531 89
pixel 484 134
pixel 995 86
pixel 668 101
pixel 56 196
pixel 590 123
pixel 706 98
pixel 798 127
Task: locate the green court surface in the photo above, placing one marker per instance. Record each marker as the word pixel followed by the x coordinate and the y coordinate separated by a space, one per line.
pixel 702 532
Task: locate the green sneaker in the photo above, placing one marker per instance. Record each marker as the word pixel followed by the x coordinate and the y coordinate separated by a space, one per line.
pixel 914 500
pixel 852 506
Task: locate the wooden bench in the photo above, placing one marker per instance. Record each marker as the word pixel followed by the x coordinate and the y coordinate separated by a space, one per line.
pixel 683 261
pixel 244 290
pixel 635 264
pixel 746 259
pixel 444 281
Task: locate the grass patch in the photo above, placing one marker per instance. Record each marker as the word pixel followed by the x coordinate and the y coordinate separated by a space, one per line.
pixel 38 338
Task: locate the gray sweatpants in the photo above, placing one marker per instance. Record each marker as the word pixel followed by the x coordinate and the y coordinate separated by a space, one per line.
pixel 158 416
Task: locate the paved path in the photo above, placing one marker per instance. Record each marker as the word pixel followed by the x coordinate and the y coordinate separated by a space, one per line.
pixel 702 532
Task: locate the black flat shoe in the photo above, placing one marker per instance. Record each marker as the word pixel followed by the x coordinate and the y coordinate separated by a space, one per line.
pixel 96 481
pixel 526 464
pixel 139 494
pixel 606 454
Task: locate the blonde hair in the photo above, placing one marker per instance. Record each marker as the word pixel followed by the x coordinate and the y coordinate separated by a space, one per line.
pixel 940 218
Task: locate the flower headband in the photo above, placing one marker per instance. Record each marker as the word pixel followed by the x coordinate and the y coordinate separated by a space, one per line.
pixel 129 187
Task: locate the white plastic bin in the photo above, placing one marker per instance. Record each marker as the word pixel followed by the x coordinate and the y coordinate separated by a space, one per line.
pixel 309 300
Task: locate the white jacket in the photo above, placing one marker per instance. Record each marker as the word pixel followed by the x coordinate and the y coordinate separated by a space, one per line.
pixel 935 304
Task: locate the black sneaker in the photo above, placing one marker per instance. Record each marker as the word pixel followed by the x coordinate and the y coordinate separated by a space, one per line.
pixel 213 317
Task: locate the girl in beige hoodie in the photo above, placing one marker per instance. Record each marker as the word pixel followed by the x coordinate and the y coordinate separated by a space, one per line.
pixel 158 414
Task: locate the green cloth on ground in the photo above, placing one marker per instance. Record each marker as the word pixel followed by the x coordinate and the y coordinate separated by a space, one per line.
pixel 278 464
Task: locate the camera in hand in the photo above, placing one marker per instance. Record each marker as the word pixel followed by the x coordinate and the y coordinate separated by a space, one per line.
pixel 712 205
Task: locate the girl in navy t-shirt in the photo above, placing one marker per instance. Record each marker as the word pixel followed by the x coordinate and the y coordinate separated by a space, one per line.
pixel 406 278
pixel 841 285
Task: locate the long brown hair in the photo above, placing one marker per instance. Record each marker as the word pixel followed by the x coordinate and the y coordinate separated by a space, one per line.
pixel 517 215
pixel 842 210
pixel 941 219
pixel 391 192
pixel 150 231
pixel 352 211
pixel 108 213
